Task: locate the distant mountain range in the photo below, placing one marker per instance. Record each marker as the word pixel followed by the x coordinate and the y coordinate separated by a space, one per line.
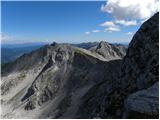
pixel 21 45
pixel 9 52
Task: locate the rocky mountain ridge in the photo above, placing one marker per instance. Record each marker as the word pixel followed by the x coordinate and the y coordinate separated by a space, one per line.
pixel 62 81
pixel 53 71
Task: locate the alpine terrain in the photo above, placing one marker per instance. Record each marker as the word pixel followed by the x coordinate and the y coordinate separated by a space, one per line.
pixel 102 81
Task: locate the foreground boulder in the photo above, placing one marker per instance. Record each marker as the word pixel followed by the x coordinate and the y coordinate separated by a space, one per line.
pixel 143 104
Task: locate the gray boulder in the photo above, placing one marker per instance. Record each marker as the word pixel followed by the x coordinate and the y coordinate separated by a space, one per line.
pixel 144 103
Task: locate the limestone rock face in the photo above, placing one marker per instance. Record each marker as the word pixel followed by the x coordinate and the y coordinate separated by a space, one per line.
pixel 141 63
pixel 140 70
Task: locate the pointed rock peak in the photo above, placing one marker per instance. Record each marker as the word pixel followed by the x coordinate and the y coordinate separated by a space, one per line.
pixel 103 44
pixel 54 44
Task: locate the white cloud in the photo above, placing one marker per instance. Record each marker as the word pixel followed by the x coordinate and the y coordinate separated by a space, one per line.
pixel 87 33
pixel 6 38
pixel 128 13
pixel 112 29
pixel 95 31
pixel 129 33
pixel 131 9
pixel 126 23
pixel 108 24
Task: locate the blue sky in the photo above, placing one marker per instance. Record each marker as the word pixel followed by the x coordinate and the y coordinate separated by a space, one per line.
pixel 72 22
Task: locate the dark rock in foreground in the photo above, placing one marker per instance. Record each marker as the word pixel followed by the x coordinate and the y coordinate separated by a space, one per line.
pixel 139 72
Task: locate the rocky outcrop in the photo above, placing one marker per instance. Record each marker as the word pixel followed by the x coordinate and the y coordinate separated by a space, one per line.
pixel 140 66
pixel 139 71
pixel 144 103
